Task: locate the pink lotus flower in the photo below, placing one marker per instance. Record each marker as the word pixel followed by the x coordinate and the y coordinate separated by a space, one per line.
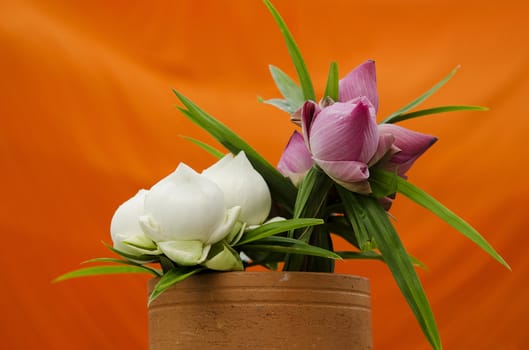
pixel 344 140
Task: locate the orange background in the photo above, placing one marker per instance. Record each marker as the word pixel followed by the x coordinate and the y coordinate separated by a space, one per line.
pixel 88 118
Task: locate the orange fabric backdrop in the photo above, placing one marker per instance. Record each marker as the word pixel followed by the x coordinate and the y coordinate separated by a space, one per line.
pixel 88 118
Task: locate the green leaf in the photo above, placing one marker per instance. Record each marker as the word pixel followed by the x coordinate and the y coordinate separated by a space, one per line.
pixel 281 245
pixel 331 90
pixel 425 200
pixel 280 104
pixel 435 110
pixel 281 187
pixel 210 149
pixel 354 215
pixel 288 88
pixel 311 199
pixel 398 261
pixel 295 54
pixel 155 272
pixel 421 98
pixel 276 227
pixel 103 270
pixel 171 278
pixel 361 255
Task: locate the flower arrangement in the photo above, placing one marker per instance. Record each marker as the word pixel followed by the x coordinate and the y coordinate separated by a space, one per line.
pixel 338 174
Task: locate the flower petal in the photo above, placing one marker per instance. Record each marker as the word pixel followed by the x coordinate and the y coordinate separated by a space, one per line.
pixel 385 145
pixel 185 253
pixel 242 186
pixel 412 144
pixel 361 81
pixel 309 111
pixel 350 174
pixel 345 131
pixel 295 160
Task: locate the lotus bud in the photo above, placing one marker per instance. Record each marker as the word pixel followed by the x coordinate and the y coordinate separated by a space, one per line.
pixel 242 186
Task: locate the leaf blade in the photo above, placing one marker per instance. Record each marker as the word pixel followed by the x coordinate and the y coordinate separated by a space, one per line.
pixel 435 110
pixel 295 54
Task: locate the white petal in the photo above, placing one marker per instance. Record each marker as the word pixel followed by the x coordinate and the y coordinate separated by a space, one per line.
pixel 184 206
pixel 242 186
pixel 185 253
pixel 223 258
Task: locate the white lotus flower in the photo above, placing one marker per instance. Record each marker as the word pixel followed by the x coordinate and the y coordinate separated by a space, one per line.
pixel 242 186
pixel 125 228
pixel 185 214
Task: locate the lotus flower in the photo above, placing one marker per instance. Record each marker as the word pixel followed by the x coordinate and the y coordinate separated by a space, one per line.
pixel 344 140
pixel 185 215
pixel 125 230
pixel 242 186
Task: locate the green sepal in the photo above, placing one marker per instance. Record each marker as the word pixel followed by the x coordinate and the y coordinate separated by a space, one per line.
pixel 331 90
pixel 288 88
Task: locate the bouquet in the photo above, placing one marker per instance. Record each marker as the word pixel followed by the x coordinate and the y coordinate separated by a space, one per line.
pixel 338 175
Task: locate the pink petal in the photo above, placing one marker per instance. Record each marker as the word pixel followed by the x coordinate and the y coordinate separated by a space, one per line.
pixel 412 144
pixel 309 110
pixel 350 174
pixel 385 145
pixel 361 81
pixel 295 160
pixel 345 132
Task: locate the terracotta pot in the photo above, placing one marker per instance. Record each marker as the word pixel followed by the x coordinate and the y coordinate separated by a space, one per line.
pixel 263 310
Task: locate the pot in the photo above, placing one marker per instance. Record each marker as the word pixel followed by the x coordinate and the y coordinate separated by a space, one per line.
pixel 262 310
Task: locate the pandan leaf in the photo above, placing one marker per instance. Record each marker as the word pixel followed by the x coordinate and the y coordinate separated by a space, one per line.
pixel 104 270
pixel 295 54
pixel 281 188
pixel 425 200
pixel 435 110
pixel 351 204
pixel 420 99
pixel 208 148
pixel 399 262
pixel 276 227
pixel 171 278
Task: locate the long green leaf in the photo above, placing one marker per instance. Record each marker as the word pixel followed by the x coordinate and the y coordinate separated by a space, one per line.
pixel 102 270
pixel 331 90
pixel 425 200
pixel 421 98
pixel 171 278
pixel 288 88
pixel 350 205
pixel 276 227
pixel 282 189
pixel 435 110
pixel 398 261
pixel 155 272
pixel 295 54
pixel 311 199
pixel 361 255
pixel 208 148
pixel 299 248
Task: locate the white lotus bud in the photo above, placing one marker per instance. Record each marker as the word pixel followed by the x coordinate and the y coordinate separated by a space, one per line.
pixel 242 186
pixel 125 230
pixel 185 213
